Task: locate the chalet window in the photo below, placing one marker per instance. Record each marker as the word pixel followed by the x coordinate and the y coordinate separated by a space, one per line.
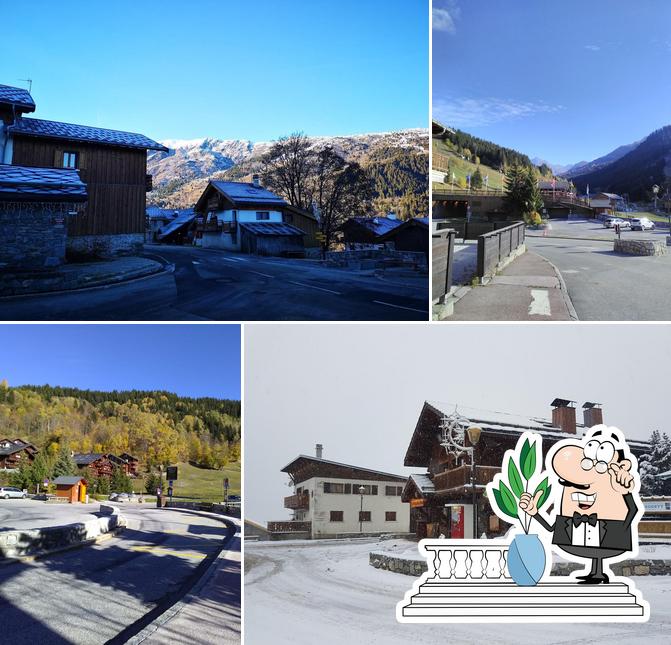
pixel 330 487
pixel 70 159
pixel 364 516
pixel 367 489
pixel 337 516
pixel 393 491
pixel 390 516
pixel 261 215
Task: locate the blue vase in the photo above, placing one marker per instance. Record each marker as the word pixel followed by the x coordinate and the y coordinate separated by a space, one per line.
pixel 526 559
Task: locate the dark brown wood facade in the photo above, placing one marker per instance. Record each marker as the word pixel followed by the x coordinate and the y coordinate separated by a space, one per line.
pixel 116 180
pixel 13 457
pixel 303 468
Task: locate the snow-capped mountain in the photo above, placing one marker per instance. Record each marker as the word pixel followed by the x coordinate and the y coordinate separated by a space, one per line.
pixel 182 172
pixel 557 168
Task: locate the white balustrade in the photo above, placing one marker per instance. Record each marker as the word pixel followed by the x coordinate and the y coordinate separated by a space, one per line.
pixel 466 560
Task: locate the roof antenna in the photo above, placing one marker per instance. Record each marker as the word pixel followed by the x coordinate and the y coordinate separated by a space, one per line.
pixel 30 84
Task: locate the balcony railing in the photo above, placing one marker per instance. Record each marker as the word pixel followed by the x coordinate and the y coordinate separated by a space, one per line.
pixel 297 502
pixel 461 476
pixel 466 559
pixel 289 527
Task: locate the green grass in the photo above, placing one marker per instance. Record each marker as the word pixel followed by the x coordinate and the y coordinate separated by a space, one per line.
pixel 462 168
pixel 206 485
pixel 655 217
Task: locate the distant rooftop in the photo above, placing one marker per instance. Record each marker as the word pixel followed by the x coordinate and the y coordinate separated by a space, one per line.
pixel 242 192
pixel 18 183
pixel 72 132
pixel 316 464
pixel 17 96
pixel 377 225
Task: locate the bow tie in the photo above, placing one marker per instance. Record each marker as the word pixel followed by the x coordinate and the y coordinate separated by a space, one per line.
pixel 579 518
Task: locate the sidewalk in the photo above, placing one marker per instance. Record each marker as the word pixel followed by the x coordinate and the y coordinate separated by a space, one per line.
pixel 211 612
pixel 76 276
pixel 530 288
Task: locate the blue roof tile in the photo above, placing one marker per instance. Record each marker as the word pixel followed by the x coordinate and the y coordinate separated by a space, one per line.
pixel 72 132
pixel 46 184
pixel 17 96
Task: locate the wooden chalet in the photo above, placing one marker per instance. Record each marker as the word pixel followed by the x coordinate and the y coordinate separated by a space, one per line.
pixel 410 235
pixel 440 498
pixel 131 464
pixel 367 231
pixel 99 464
pixel 111 164
pixel 305 221
pixel 14 452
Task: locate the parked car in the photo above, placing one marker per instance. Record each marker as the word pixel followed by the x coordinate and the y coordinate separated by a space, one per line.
pixel 612 222
pixel 234 498
pixel 11 491
pixel 642 224
pixel 121 497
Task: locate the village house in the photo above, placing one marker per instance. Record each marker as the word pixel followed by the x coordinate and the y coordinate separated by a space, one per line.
pixel 606 203
pixel 132 464
pixel 170 225
pixel 111 165
pixel 99 464
pixel 364 232
pixel 441 497
pixel 245 217
pixel 411 235
pixel 14 452
pixel 333 499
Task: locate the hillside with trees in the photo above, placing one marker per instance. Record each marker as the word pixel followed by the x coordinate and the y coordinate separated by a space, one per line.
pixel 485 152
pixel 155 426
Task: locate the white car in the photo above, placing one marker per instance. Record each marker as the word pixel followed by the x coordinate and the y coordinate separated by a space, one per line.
pixel 11 491
pixel 642 224
pixel 612 222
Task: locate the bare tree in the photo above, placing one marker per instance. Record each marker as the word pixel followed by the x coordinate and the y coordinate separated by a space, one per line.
pixel 340 190
pixel 288 167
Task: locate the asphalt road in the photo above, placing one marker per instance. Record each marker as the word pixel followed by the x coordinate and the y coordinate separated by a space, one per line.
pixel 604 285
pixel 216 285
pixel 28 513
pixel 89 595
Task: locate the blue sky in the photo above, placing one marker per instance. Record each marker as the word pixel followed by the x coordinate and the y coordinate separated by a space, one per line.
pixel 565 81
pixel 191 360
pixel 253 70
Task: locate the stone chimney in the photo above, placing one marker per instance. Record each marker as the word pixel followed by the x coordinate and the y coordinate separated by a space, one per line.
pixel 563 415
pixel 256 180
pixel 592 414
pixel 319 449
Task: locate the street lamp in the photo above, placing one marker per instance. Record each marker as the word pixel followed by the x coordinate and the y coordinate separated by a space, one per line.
pixel 655 190
pixel 474 433
pixel 362 490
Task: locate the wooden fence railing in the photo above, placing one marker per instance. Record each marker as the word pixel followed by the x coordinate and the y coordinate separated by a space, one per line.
pixel 496 246
pixel 441 264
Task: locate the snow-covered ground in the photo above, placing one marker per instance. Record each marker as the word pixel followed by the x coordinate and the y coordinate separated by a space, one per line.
pixel 326 593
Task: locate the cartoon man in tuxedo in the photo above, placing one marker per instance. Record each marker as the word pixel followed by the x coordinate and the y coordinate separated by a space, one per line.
pixel 597 501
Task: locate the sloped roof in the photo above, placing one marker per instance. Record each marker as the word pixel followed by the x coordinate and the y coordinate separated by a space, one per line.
pixel 271 228
pixel 423 483
pixel 73 132
pixel 86 458
pixel 17 96
pixel 242 192
pixel 16 445
pixel 177 223
pixel 300 211
pixel 68 480
pixel 156 212
pixel 377 225
pixel 324 467
pixel 422 222
pixel 26 183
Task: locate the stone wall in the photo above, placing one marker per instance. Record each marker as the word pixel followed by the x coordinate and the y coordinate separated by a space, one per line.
pixel 32 235
pixel 640 247
pixel 104 246
pixel 362 259
pixel 416 567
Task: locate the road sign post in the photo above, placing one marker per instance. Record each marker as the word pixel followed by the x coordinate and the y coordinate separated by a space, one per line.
pixel 226 493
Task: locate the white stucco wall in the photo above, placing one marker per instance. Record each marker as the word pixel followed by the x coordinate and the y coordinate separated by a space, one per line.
pixel 321 505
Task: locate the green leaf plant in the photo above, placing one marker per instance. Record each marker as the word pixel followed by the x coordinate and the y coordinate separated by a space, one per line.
pixel 522 466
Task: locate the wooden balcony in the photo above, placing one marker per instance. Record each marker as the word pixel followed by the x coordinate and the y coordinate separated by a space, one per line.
pixel 289 527
pixel 459 477
pixel 297 502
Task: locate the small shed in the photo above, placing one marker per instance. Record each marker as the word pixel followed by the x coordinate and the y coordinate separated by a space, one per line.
pixel 73 488
pixel 271 238
pixel 367 230
pixel 411 235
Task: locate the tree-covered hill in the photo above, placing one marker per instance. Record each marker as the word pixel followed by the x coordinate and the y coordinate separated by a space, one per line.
pixel 487 152
pixel 157 427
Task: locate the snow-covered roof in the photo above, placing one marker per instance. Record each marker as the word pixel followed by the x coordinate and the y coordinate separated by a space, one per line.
pixel 272 229
pixel 177 223
pixel 377 225
pixel 17 96
pixel 242 192
pixel 423 482
pixel 295 463
pixel 45 184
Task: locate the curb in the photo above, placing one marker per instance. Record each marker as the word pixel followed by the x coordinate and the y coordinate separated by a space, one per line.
pixel 102 285
pixel 569 237
pixel 186 596
pixel 562 286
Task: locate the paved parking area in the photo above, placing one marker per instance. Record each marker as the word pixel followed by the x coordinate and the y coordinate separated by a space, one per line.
pixel 33 514
pixel 593 229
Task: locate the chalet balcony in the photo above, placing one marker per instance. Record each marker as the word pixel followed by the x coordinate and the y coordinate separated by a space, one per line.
pixel 460 477
pixel 290 527
pixel 297 502
pixel 148 183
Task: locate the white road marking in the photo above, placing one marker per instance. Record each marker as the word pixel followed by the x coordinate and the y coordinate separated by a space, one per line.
pixel 311 286
pixel 265 275
pixel 540 303
pixel 389 304
pixel 194 262
pixel 230 259
pixel 570 271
